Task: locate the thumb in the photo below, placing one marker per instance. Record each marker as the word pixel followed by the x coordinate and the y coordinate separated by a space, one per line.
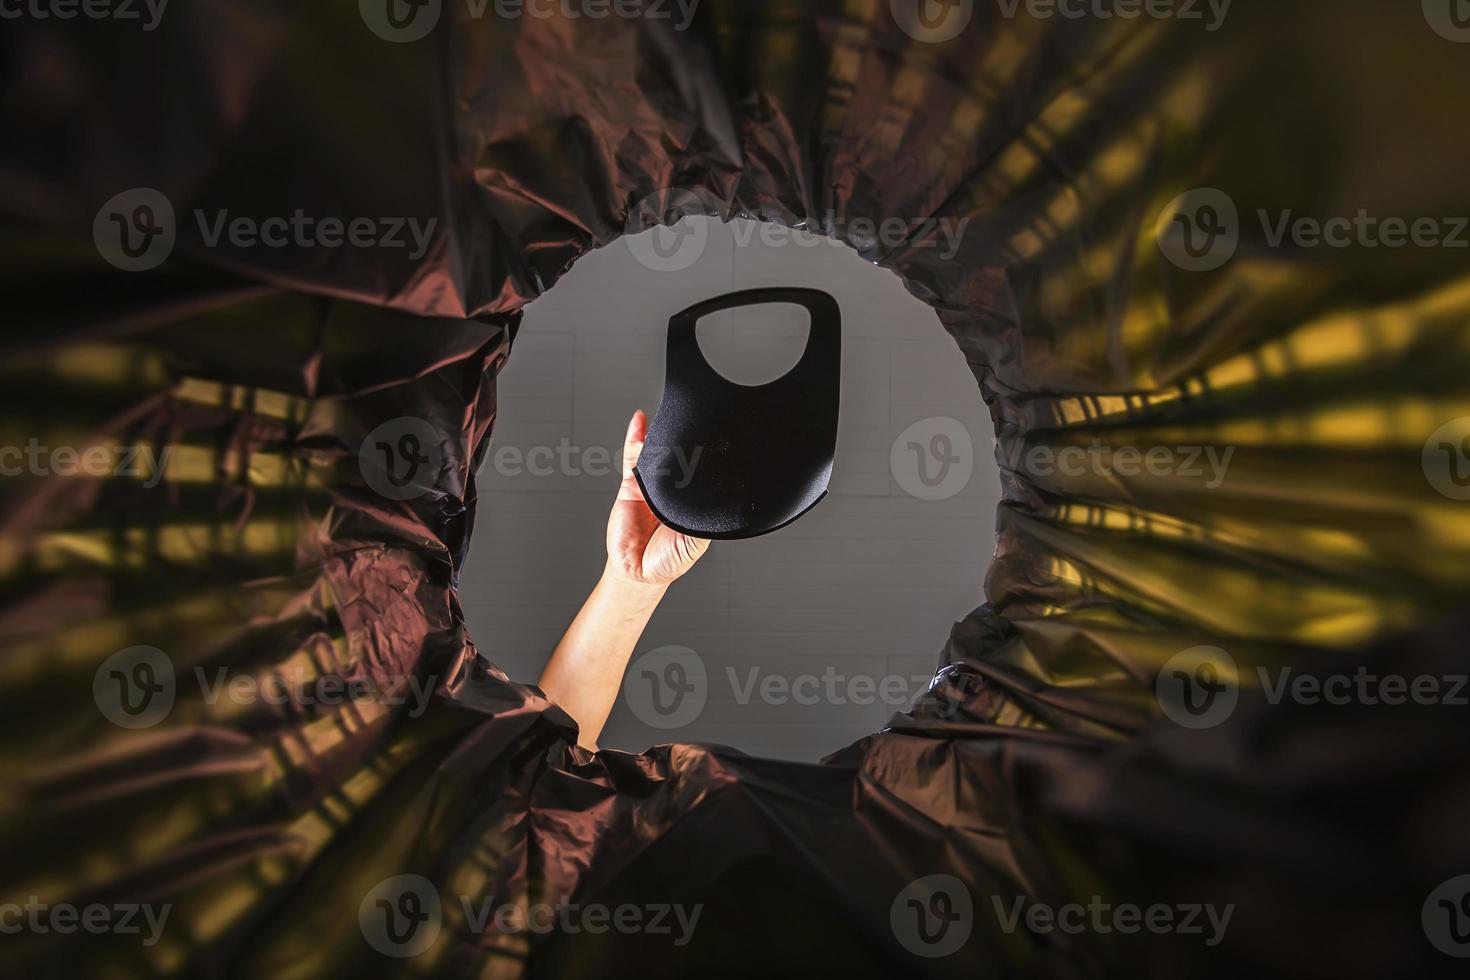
pixel 632 449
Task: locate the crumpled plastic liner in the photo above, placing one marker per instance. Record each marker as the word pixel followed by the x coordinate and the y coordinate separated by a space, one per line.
pixel 1038 770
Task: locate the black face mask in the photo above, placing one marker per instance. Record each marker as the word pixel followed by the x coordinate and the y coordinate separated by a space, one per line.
pixel 724 460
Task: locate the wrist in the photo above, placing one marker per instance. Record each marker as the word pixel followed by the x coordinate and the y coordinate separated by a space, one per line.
pixel 629 592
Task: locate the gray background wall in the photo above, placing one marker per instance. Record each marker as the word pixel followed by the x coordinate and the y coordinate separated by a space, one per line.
pixel 859 592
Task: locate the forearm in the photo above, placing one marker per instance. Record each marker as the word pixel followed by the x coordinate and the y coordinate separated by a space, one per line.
pixel 586 670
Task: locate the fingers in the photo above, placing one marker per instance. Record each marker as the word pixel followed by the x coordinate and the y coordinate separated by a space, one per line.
pixel 632 449
pixel 690 549
pixel 672 554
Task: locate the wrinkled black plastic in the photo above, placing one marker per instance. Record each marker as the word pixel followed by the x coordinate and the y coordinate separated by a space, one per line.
pixel 1039 767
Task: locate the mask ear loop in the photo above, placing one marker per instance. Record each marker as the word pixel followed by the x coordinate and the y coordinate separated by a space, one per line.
pixel 820 362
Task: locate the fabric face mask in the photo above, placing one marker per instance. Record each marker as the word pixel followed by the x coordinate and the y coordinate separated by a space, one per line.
pixel 725 460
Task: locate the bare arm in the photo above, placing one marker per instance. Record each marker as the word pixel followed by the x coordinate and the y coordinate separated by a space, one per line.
pixel 643 558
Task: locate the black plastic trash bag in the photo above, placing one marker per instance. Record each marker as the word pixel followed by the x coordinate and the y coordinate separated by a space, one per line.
pixel 1132 274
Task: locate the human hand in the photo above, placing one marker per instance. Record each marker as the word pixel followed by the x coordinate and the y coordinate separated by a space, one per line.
pixel 643 557
pixel 640 548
